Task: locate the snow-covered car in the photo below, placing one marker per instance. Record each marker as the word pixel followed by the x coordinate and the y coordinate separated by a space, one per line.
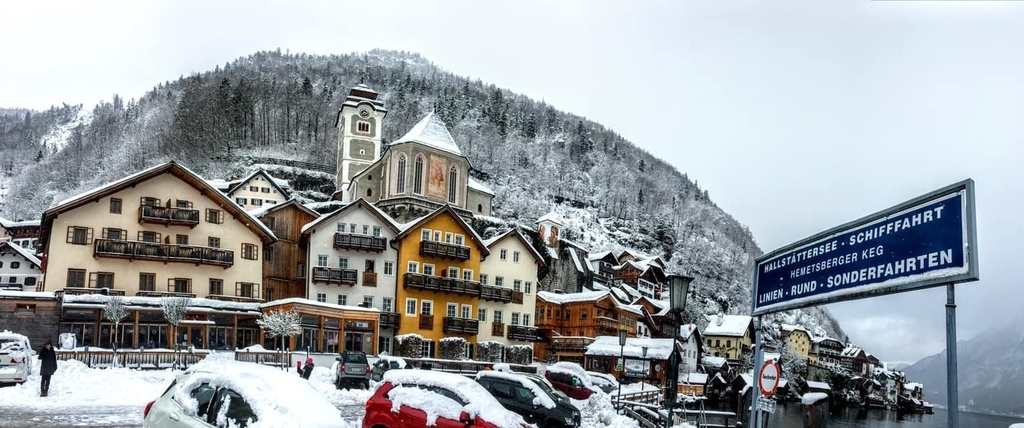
pixel 15 357
pixel 571 379
pixel 605 381
pixel 532 398
pixel 385 363
pixel 422 398
pixel 219 392
pixel 351 368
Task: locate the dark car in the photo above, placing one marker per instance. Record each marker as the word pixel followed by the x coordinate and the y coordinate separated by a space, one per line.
pixel 352 369
pixel 532 398
pixel 383 364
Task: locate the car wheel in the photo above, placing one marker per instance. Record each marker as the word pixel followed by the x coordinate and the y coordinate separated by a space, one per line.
pixel 337 383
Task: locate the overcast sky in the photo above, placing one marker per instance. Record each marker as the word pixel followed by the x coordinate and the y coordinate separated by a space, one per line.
pixel 796 116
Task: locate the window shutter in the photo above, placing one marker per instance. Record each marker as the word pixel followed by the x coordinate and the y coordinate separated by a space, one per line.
pixel 71 234
pixel 88 236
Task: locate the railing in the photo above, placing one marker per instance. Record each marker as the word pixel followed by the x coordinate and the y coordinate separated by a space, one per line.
pixel 270 358
pixel 388 320
pixel 334 275
pixel 606 324
pixel 154 293
pixel 426 322
pixel 84 290
pixel 572 343
pixel 464 367
pixel 522 332
pixel 164 215
pixel 240 299
pixel 134 358
pixel 517 297
pixel 138 250
pixel 444 249
pixel 461 325
pixel 359 242
pixel 498 294
pixel 370 279
pixel 437 283
pixel 497 329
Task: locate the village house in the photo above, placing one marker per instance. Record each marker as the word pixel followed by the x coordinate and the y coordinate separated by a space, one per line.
pixel 638 364
pixel 23 233
pixel 571 321
pixel 20 269
pixel 508 279
pixel 796 339
pixel 567 269
pixel 255 190
pixel 855 361
pixel 729 336
pixel 825 351
pixel 284 261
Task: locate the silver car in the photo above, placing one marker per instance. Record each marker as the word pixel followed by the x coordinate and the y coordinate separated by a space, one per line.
pixel 15 358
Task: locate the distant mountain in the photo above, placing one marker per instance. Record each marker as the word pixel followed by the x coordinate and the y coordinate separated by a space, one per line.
pixel 270 105
pixel 990 372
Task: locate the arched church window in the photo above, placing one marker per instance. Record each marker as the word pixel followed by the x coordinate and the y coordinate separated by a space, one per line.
pixel 417 176
pixel 369 193
pixel 453 178
pixel 400 186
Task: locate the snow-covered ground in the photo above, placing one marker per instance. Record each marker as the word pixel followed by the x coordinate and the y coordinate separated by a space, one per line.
pixel 82 396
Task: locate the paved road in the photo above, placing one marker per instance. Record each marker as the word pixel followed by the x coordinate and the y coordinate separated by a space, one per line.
pixel 108 416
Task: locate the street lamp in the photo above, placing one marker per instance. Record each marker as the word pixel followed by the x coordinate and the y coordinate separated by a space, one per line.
pixel 679 286
pixel 622 361
pixel 643 351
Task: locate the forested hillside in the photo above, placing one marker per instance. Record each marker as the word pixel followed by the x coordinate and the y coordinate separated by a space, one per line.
pixel 538 159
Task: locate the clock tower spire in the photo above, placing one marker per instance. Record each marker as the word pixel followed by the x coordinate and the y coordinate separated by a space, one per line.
pixel 359 124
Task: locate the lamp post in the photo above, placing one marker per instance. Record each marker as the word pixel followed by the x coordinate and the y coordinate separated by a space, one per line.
pixel 679 286
pixel 622 361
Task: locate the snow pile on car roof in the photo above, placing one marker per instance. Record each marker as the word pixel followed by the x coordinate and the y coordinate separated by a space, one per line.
pixel 478 401
pixel 277 397
pixel 571 368
pixel 399 360
pixel 542 398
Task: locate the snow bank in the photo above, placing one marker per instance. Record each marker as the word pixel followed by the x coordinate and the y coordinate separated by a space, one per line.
pixel 74 384
pixel 811 398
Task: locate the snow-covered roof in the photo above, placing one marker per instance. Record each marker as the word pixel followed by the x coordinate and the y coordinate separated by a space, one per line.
pixel 431 131
pixel 789 328
pixel 576 260
pixel 388 221
pixel 281 185
pixel 541 397
pixel 851 351
pixel 551 218
pixel 696 378
pixel 514 233
pixel 687 330
pixel 621 295
pixel 657 349
pixel 479 402
pixel 818 385
pixel 8 224
pixel 43 295
pixel 600 255
pixel 480 187
pixel 23 253
pixel 727 325
pixel 294 300
pixel 100 299
pixel 583 296
pixel 716 362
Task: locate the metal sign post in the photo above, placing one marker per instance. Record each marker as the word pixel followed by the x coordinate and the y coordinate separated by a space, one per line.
pixel 953 416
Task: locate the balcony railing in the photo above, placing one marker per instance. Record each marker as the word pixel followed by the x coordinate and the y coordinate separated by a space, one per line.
pixel 370 279
pixel 497 294
pixel 521 332
pixel 444 249
pixel 138 250
pixel 388 320
pixel 571 343
pixel 334 275
pixel 163 215
pixel 426 322
pixel 240 299
pixel 606 324
pixel 517 297
pixel 168 293
pixel 461 325
pixel 349 241
pixel 84 290
pixel 441 284
pixel 497 329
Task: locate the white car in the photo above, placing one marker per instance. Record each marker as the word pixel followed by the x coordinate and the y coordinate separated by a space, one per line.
pixel 218 392
pixel 15 357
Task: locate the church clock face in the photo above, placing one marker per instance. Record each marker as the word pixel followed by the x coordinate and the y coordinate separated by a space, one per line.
pixel 364 114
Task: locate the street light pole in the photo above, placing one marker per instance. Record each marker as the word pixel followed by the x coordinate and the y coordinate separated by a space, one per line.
pixel 679 287
pixel 622 361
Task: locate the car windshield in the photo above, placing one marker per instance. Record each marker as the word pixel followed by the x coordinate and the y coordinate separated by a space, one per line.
pixel 547 388
pixel 355 358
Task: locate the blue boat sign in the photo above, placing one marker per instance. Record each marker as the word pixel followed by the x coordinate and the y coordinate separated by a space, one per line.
pixel 925 242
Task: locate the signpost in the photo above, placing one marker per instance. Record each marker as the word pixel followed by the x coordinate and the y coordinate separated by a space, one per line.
pixel 925 242
pixel 768 377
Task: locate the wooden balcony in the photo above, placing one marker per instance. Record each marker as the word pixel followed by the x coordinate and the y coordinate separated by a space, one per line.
pixel 84 290
pixel 334 275
pixel 520 332
pixel 441 284
pixel 370 279
pixel 461 325
pixel 426 322
pixel 604 324
pixel 167 253
pixel 444 249
pixel 388 320
pixel 570 343
pixel 497 329
pixel 517 297
pixel 497 294
pixel 350 241
pixel 239 299
pixel 169 293
pixel 168 216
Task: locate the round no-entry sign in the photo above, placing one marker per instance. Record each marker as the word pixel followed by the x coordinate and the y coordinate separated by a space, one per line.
pixel 768 380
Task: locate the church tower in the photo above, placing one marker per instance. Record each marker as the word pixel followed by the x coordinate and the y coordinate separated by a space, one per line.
pixel 359 136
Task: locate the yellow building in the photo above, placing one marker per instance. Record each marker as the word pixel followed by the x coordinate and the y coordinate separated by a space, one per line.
pixel 729 336
pixel 438 284
pixel 797 339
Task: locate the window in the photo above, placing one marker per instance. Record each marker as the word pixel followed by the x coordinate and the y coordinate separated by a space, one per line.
pixel 216 286
pixel 389 268
pixel 428 269
pixel 448 237
pixel 213 242
pixel 417 176
pixel 145 236
pixel 250 252
pixel 497 316
pixel 240 201
pixel 342 299
pixel 256 202
pixel 453 272
pixel 453 178
pixel 115 234
pixel 467 311
pixel 528 287
pixel 342 262
pixel 387 304
pixel 322 297
pixel 452 308
pixel 181 239
pixel 254 188
pixel 504 254
pixel 101 280
pixel 426 348
pixel 459 239
pixel 583 314
pixel 413 267
pixel 376 231
pixel 265 189
pixel 483 279
pixel 499 281
pixel 15 265
pixel 363 126
pixel 147 282
pixel 424 234
pixel 269 221
pixel 517 285
pixel 115 205
pixel 467 275
pixel 321 260
pixel 515 257
pixel 515 318
pixel 341 227
pixel 367 301
pixel 79 235
pixel 410 306
pixel 147 201
pixel 76 278
pixel 400 186
pixel 728 344
pixel 568 314
pixel 437 235
pixel 182 204
pixel 366 229
pixel 526 320
pixel 179 285
pixel 481 314
pixel 426 307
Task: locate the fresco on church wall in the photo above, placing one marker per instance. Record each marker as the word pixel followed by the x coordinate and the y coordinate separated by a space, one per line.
pixel 436 187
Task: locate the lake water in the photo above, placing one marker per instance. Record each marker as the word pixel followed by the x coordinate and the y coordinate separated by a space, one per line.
pixel 790 415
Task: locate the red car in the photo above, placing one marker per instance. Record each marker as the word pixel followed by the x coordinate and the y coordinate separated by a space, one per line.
pixel 422 398
pixel 568 382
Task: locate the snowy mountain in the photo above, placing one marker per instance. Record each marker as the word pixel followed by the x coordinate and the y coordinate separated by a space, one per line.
pixel 991 371
pixel 269 106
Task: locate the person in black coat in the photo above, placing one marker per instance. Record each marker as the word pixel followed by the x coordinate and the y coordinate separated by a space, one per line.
pixel 47 366
pixel 308 368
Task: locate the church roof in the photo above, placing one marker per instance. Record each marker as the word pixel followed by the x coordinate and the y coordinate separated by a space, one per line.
pixel 431 131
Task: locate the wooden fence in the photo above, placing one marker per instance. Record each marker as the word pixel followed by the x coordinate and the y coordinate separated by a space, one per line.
pixel 269 358
pixel 136 359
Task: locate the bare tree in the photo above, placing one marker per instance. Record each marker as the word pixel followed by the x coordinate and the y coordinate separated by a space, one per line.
pixel 280 323
pixel 174 310
pixel 115 311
